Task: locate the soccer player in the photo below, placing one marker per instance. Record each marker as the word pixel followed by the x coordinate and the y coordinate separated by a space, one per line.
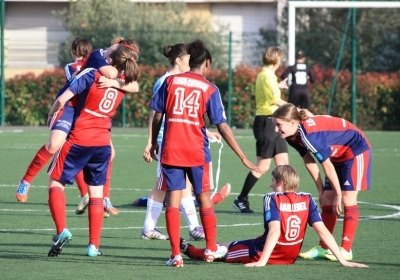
pixel 286 215
pixel 62 123
pixel 299 74
pixel 184 99
pixel 345 155
pixel 269 145
pixel 87 147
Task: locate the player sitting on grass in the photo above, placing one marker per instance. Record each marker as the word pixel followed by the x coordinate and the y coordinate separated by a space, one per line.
pixel 286 214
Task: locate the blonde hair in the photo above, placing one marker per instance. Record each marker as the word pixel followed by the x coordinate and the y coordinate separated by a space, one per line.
pixel 289 112
pixel 272 55
pixel 287 175
pixel 117 40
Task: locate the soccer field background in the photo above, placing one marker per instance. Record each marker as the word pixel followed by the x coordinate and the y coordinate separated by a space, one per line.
pixel 26 229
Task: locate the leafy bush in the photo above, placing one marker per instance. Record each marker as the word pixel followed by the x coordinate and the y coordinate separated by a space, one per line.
pixel 29 97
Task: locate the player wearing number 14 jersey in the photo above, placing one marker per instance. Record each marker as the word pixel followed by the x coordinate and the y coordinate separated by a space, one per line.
pixel 184 99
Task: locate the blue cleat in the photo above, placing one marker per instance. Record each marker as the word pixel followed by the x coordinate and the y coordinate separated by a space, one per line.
pixel 92 251
pixel 59 241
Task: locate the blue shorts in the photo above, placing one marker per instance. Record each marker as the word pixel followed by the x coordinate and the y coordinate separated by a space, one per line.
pixel 71 159
pixel 354 174
pixel 173 178
pixel 63 119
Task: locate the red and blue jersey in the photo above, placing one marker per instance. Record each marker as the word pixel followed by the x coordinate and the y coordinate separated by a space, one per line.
pixel 184 99
pixel 95 60
pixel 329 137
pixel 95 108
pixel 71 68
pixel 294 211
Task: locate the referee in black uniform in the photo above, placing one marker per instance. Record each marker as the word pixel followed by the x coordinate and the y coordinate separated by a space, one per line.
pixel 299 74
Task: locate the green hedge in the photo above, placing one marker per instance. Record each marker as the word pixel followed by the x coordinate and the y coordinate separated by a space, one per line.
pixel 29 97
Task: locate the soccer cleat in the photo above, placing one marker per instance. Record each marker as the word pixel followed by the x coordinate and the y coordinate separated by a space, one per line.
pixel 184 245
pixel 314 253
pixel 348 256
pixel 210 256
pixel 176 261
pixel 22 191
pixel 243 205
pixel 140 202
pixel 154 234
pixel 83 204
pixel 197 234
pixel 109 208
pixel 223 193
pixel 92 251
pixel 59 241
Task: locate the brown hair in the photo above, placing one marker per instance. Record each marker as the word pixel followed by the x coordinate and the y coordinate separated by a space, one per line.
pixel 272 55
pixel 172 52
pixel 81 47
pixel 124 59
pixel 287 175
pixel 289 112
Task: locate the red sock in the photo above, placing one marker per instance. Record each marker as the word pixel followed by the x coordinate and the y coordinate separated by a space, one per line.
pixel 217 198
pixel 173 221
pixel 41 158
pixel 80 181
pixel 195 253
pixel 57 208
pixel 350 223
pixel 209 222
pixel 329 218
pixel 106 187
pixel 96 211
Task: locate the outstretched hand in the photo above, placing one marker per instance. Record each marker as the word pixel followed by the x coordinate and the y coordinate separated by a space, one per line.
pixel 251 166
pixel 354 264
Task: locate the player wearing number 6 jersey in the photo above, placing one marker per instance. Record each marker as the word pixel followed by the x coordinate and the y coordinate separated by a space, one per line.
pixel 286 215
pixel 87 147
pixel 184 99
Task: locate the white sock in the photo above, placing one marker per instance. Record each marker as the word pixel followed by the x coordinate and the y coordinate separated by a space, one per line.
pixel 153 211
pixel 189 212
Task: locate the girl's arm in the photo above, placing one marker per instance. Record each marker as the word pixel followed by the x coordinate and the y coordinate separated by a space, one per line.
pixel 274 231
pixel 104 82
pixel 330 173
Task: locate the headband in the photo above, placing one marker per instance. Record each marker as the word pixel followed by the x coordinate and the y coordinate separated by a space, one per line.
pixel 130 47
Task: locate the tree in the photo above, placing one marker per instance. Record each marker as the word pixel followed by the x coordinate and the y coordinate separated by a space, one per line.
pixel 151 25
pixel 319 33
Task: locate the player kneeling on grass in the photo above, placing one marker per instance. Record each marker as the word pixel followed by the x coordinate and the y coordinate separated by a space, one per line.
pixel 286 214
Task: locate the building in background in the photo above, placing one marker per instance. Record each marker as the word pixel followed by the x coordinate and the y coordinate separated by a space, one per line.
pixel 32 33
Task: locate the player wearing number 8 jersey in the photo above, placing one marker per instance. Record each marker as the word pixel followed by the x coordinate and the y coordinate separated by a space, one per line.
pixel 286 215
pixel 345 155
pixel 185 99
pixel 87 147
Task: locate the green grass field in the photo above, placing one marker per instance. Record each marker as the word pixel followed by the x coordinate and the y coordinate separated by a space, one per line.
pixel 26 229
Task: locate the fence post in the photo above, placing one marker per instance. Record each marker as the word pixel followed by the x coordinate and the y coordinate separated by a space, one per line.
pixel 123 34
pixel 353 69
pixel 2 78
pixel 230 80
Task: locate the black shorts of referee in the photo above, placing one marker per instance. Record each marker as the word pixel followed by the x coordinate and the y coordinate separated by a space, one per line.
pixel 269 143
